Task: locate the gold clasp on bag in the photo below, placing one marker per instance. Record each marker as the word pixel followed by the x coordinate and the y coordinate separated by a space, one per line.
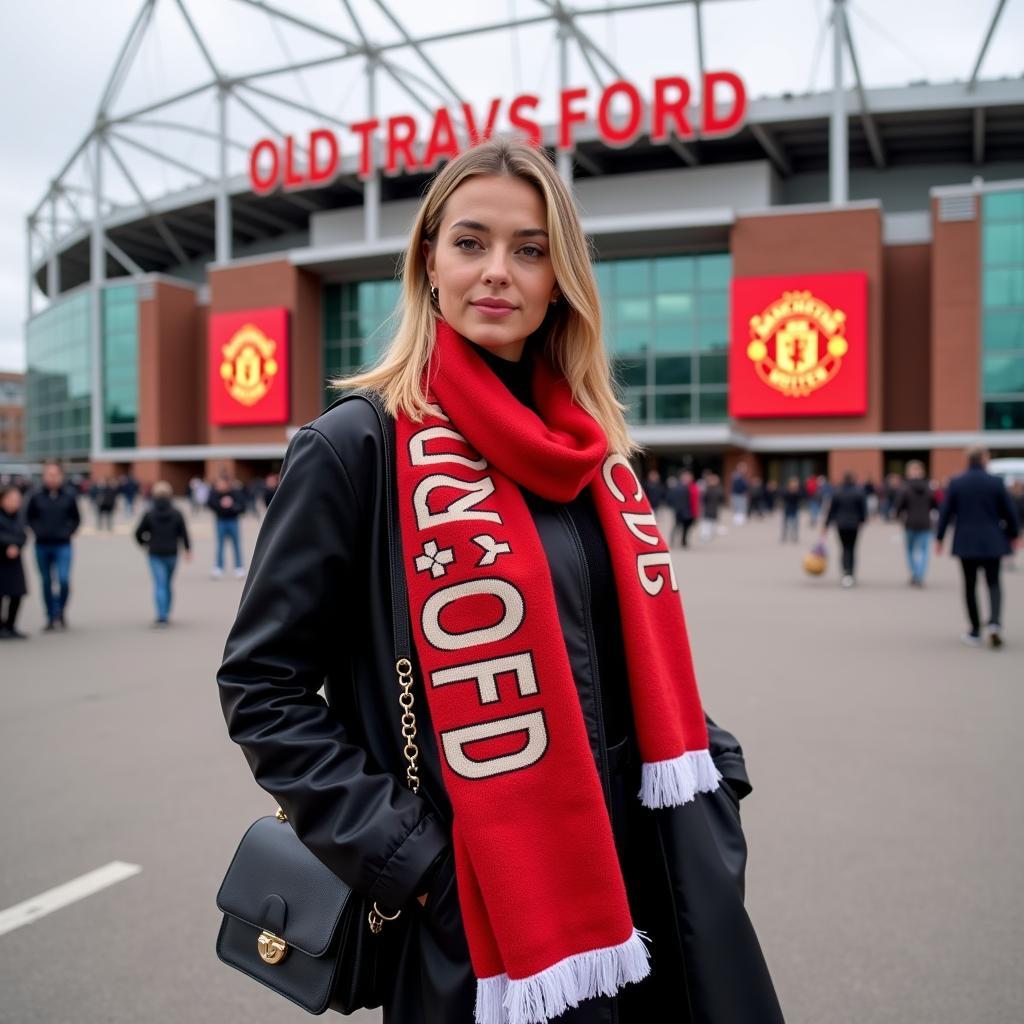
pixel 377 917
pixel 272 948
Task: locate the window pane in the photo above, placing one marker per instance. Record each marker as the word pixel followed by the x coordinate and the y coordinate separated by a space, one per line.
pixel 631 339
pixel 673 370
pixel 1004 415
pixel 1003 243
pixel 712 406
pixel 675 338
pixel 714 271
pixel 673 306
pixel 712 335
pixel 1003 330
pixel 713 305
pixel 1003 206
pixel 1003 287
pixel 714 369
pixel 632 309
pixel 672 408
pixel 673 273
pixel 632 277
pixel 1003 374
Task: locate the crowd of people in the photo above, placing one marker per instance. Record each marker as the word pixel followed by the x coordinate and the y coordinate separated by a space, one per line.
pixel 50 514
pixel 986 516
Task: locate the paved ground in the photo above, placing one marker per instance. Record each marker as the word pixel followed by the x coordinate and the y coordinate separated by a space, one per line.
pixel 885 829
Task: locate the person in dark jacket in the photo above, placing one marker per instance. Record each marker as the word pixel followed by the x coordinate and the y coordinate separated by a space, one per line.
pixel 12 573
pixel 162 530
pixel 792 497
pixel 914 504
pixel 106 502
pixel 685 501
pixel 316 612
pixel 711 504
pixel 53 518
pixel 847 510
pixel 227 500
pixel 986 531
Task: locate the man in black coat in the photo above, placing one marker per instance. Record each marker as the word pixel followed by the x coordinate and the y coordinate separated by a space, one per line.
pixel 53 518
pixel 986 530
pixel 848 511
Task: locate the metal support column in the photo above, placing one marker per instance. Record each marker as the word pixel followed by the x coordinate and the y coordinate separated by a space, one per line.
pixel 52 263
pixel 563 159
pixel 371 187
pixel 222 203
pixel 97 268
pixel 838 146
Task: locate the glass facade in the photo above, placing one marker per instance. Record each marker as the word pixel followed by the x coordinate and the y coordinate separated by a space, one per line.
pixel 120 365
pixel 355 326
pixel 667 331
pixel 666 327
pixel 1002 310
pixel 58 379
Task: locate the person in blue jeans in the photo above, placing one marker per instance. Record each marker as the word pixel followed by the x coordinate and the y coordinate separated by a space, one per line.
pixel 914 504
pixel 52 516
pixel 162 530
pixel 228 504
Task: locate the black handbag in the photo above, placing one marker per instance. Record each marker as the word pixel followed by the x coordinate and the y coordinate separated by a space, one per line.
pixel 289 922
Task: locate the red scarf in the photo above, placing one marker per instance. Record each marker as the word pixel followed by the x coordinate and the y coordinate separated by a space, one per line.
pixel 539 884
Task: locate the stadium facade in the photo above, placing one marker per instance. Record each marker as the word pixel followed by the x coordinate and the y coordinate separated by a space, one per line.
pixel 815 283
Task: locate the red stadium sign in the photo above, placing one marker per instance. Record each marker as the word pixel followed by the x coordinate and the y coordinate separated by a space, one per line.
pixel 248 367
pixel 798 346
pixel 618 111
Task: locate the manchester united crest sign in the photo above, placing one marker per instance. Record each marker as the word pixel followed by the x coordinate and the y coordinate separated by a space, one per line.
pixel 249 367
pixel 798 346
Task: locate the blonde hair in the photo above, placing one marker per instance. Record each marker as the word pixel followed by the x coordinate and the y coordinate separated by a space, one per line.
pixel 162 489
pixel 571 330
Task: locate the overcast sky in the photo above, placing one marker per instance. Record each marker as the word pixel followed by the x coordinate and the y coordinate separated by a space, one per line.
pixel 59 54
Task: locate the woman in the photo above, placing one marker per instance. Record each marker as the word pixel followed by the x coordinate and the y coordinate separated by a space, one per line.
pixel 574 804
pixel 162 530
pixel 848 511
pixel 12 573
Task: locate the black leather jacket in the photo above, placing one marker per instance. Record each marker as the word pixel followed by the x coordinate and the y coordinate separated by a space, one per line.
pixel 315 610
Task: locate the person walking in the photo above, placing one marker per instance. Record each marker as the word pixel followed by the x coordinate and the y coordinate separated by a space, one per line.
pixel 528 876
pixel 913 504
pixel 792 497
pixel 739 494
pixel 162 531
pixel 711 504
pixel 986 530
pixel 685 500
pixel 12 573
pixel 53 518
pixel 227 500
pixel 106 502
pixel 848 511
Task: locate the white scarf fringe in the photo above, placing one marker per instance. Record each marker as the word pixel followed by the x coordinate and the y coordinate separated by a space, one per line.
pixel 678 780
pixel 552 991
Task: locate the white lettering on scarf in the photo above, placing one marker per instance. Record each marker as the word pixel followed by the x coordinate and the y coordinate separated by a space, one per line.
pixel 421 457
pixel 511 617
pixel 455 740
pixel 485 675
pixel 461 508
pixel 634 521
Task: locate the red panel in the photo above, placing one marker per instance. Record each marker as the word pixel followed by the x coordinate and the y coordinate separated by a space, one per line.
pixel 799 345
pixel 248 367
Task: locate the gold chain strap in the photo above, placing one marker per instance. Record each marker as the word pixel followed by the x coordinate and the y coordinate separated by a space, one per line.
pixel 403 667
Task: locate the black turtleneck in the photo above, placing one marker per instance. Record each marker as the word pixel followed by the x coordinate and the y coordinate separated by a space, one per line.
pixel 604 605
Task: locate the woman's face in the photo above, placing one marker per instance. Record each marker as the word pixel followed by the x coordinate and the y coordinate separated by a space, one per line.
pixel 492 246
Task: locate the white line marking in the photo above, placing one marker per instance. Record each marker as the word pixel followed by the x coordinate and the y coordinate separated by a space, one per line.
pixel 61 895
